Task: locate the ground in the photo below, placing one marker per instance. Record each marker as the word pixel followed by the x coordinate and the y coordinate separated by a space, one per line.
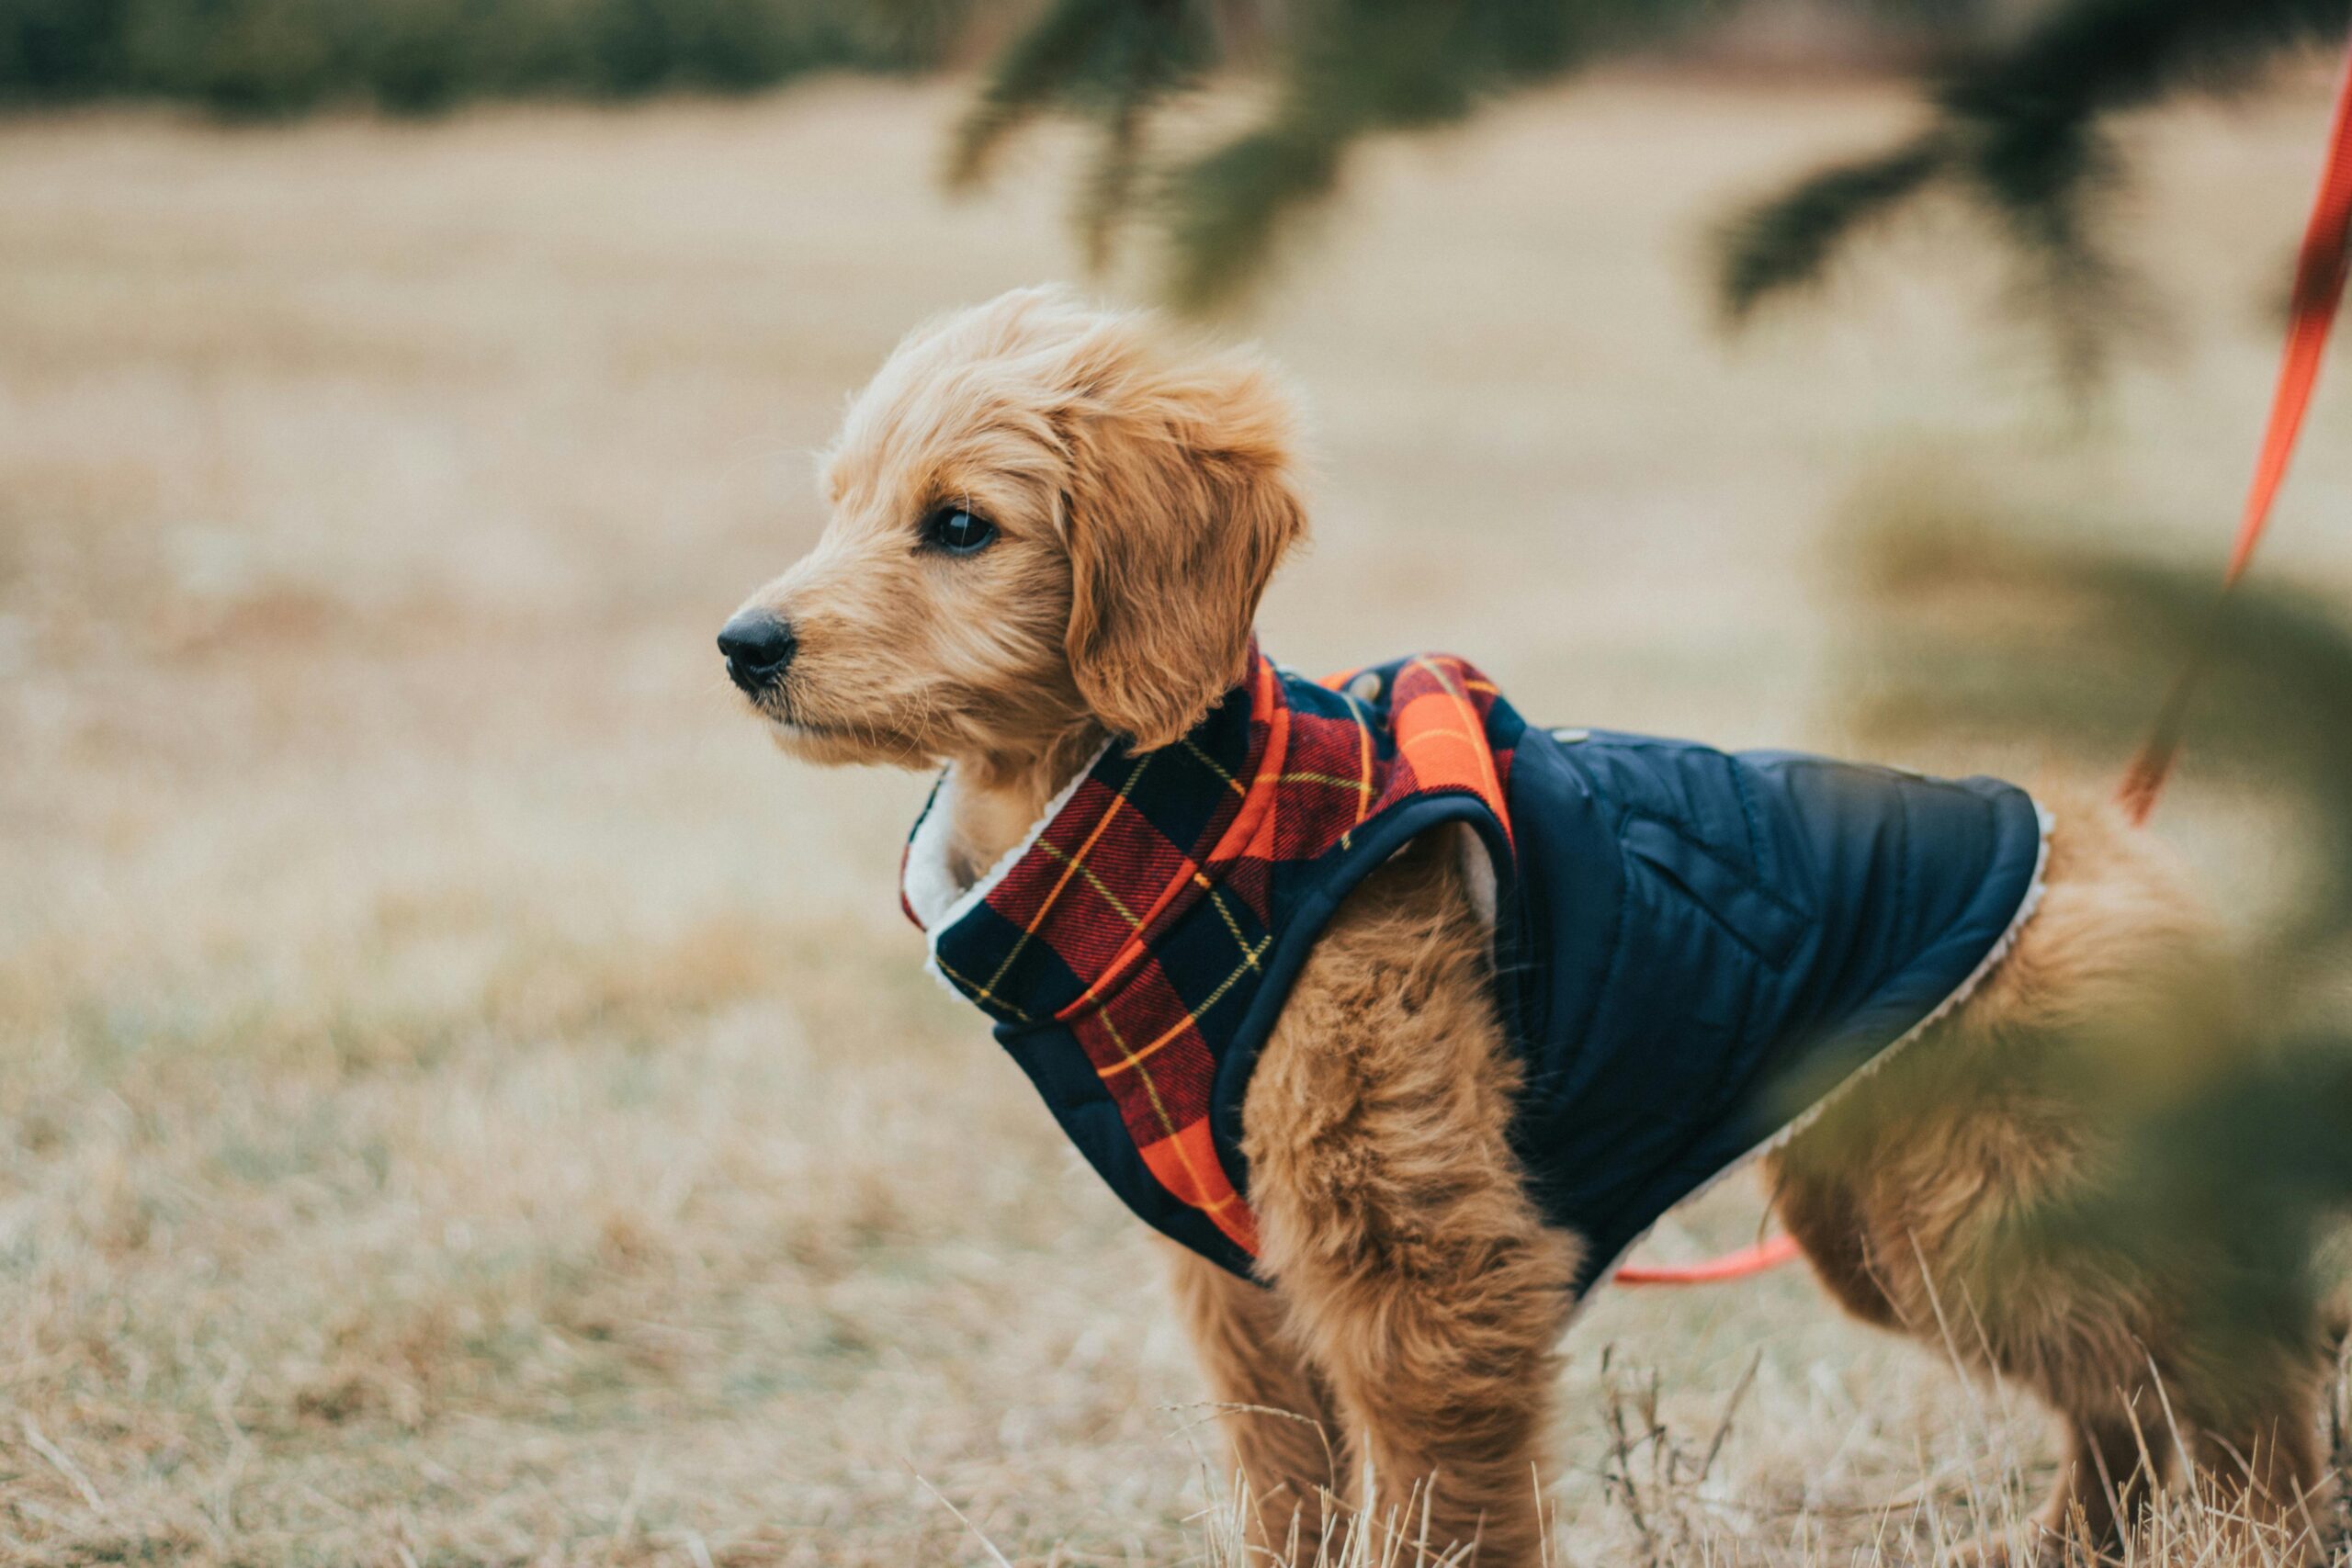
pixel 467 1099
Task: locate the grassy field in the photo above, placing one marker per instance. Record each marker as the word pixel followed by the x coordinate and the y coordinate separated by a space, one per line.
pixel 465 1099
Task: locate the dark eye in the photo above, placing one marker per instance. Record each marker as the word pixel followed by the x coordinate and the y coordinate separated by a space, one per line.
pixel 958 532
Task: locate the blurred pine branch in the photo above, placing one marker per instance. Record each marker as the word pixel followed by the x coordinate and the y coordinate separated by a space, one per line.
pixel 2020 97
pixel 2021 132
pixel 2232 1123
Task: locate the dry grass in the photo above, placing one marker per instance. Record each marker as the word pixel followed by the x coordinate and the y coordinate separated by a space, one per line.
pixel 465 1101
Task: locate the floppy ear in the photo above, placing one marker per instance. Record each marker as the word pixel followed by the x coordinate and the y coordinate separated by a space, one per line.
pixel 1181 503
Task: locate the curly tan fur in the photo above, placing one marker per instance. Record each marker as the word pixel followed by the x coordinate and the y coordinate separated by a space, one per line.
pixel 1907 1192
pixel 1412 1295
pixel 1396 1228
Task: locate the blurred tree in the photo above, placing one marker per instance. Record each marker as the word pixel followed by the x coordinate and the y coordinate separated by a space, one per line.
pixel 248 58
pixel 2021 95
pixel 2233 1136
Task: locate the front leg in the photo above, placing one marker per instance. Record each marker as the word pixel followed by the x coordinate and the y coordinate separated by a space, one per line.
pixel 1395 1219
pixel 1277 1413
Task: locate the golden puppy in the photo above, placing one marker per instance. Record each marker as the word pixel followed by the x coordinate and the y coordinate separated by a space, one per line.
pixel 1051 527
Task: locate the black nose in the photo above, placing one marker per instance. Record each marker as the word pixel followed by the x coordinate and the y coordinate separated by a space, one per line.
pixel 758 646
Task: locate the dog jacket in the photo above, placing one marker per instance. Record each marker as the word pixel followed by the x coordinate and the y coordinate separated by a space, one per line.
pixel 1692 948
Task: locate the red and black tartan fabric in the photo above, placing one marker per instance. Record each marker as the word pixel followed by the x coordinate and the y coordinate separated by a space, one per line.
pixel 1141 922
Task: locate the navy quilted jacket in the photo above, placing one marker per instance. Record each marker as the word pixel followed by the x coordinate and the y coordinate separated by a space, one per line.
pixel 1693 948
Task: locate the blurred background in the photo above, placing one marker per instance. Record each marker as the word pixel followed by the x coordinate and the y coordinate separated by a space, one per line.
pixel 465 1099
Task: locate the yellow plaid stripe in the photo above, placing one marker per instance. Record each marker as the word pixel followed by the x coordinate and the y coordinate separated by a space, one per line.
pixel 1102 888
pixel 1216 896
pixel 1167 1123
pixel 1070 866
pixel 1363 783
pixel 1250 954
pixel 1473 734
pixel 1363 771
pixel 1213 765
pixel 1362 786
pixel 973 988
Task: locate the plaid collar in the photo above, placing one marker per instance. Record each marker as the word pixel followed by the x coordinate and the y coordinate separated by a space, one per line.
pixel 1142 916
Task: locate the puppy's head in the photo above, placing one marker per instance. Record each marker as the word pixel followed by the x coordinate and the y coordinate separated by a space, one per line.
pixel 1041 515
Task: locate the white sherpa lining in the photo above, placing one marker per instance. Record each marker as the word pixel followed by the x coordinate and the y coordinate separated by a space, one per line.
pixel 932 888
pixel 1805 1118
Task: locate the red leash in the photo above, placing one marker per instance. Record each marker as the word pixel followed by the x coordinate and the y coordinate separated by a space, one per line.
pixel 2319 291
pixel 1767 1254
pixel 2320 274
